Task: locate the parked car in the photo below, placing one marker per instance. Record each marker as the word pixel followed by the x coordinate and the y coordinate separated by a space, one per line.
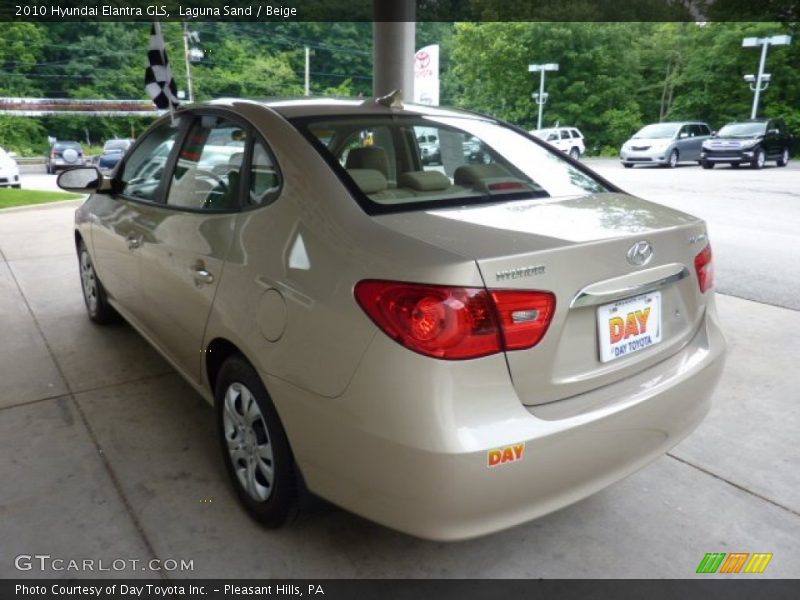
pixel 567 139
pixel 448 352
pixel 64 155
pixel 9 170
pixel 429 148
pixel 112 153
pixel 665 144
pixel 752 142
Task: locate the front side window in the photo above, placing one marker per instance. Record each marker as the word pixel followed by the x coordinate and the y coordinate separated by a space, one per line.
pixel 144 168
pixel 471 160
pixel 208 169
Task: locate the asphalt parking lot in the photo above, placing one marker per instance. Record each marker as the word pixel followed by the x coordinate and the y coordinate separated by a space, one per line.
pixel 109 455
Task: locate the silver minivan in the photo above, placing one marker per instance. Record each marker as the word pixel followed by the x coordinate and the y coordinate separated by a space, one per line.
pixel 665 144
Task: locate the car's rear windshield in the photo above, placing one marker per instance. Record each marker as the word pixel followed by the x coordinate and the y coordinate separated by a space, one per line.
pixel 743 129
pixel 116 145
pixel 657 131
pixel 471 160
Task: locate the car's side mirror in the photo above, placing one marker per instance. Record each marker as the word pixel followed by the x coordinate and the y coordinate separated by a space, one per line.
pixel 713 134
pixel 682 135
pixel 83 180
pixel 774 131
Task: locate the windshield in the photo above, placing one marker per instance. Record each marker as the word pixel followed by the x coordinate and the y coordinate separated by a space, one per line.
pixel 474 160
pixel 742 129
pixel 658 131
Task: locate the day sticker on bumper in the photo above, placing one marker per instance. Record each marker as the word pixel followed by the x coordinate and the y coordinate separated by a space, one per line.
pixel 506 454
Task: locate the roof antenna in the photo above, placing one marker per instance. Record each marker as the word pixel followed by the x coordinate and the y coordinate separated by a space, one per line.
pixel 393 99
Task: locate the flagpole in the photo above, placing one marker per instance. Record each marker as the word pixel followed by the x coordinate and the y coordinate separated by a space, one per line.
pixel 157 27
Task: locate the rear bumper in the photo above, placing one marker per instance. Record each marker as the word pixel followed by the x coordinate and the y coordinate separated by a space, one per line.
pixel 420 465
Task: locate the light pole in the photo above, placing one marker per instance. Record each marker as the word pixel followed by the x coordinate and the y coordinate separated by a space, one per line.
pixel 190 55
pixel 760 82
pixel 540 98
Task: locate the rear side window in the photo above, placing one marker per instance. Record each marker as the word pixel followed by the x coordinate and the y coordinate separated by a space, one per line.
pixel 144 168
pixel 265 180
pixel 564 134
pixel 575 133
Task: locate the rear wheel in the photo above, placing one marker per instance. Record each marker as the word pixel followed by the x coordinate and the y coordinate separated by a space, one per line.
pixel 627 165
pixel 759 159
pixel 254 445
pixel 784 159
pixel 574 154
pixel 94 295
pixel 706 164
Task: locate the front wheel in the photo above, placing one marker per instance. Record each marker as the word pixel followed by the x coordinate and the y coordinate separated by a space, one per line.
pixel 759 159
pixel 706 164
pixel 627 165
pixel 672 162
pixel 254 445
pixel 94 294
pixel 784 159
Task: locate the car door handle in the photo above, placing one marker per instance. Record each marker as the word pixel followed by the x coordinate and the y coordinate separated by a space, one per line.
pixel 134 242
pixel 201 275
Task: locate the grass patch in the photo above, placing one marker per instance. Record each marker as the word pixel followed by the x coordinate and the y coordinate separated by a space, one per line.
pixel 12 197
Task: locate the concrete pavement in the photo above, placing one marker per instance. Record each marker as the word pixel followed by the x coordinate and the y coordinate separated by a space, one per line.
pixel 110 455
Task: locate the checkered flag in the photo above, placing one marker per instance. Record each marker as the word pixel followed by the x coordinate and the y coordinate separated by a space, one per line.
pixel 158 81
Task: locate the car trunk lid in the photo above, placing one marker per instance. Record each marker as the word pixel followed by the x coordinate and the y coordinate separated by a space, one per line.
pixel 578 249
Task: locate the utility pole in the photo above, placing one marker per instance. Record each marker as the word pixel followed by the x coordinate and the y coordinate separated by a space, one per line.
pixel 308 71
pixel 760 82
pixel 541 97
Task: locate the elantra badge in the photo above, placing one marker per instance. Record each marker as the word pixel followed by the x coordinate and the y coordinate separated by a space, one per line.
pixel 640 253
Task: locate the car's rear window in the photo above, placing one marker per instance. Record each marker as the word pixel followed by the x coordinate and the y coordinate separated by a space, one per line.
pixel 398 163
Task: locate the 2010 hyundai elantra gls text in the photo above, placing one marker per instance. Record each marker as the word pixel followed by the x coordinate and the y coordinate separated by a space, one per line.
pixel 448 350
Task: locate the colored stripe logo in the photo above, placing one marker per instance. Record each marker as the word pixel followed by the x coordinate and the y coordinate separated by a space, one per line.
pixel 736 562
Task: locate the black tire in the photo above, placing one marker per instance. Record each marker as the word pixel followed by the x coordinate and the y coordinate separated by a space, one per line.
pixel 574 153
pixel 49 169
pixel 706 164
pixel 627 165
pixel 758 159
pixel 17 186
pixel 94 294
pixel 735 165
pixel 784 158
pixel 673 159
pixel 280 506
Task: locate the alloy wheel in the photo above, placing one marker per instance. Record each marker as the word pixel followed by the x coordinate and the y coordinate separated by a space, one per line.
pixel 249 442
pixel 88 282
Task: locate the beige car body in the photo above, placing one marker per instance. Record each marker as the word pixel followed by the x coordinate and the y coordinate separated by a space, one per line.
pixel 400 438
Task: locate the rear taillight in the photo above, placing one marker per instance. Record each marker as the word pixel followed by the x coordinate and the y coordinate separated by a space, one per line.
pixel 55 154
pixel 704 265
pixel 456 322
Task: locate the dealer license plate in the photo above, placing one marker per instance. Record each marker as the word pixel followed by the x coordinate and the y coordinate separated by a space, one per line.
pixel 629 325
